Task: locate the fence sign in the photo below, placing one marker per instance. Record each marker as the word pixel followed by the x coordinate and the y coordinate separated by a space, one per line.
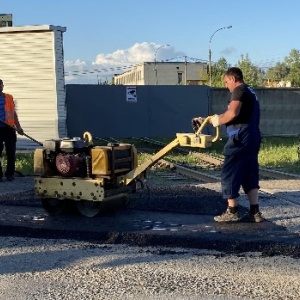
pixel 131 94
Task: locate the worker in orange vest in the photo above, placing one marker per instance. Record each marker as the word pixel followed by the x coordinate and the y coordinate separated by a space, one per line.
pixel 9 125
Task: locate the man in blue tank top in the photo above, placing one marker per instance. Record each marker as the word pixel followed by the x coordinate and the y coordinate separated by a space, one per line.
pixel 240 167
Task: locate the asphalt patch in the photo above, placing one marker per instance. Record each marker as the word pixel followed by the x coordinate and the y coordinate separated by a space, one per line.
pixel 168 216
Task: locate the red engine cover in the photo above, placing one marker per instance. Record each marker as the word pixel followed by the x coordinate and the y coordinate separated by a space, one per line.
pixel 68 165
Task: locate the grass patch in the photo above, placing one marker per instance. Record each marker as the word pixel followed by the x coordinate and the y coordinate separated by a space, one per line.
pixel 24 163
pixel 280 153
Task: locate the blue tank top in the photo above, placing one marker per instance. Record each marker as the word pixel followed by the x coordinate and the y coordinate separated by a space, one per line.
pixel 2 110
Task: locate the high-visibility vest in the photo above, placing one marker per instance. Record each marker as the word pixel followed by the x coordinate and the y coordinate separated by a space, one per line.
pixel 9 108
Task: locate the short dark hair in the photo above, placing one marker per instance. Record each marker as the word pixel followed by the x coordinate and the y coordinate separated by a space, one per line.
pixel 236 73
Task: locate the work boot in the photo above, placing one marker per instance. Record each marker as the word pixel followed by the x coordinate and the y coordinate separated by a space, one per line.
pixel 256 218
pixel 227 216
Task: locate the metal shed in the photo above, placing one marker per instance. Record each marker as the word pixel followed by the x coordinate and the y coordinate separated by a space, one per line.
pixel 32 68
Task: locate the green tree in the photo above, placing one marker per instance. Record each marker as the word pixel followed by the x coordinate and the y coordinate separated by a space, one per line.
pixel 218 69
pixel 289 70
pixel 217 72
pixel 204 77
pixel 252 74
pixel 279 72
pixel 293 63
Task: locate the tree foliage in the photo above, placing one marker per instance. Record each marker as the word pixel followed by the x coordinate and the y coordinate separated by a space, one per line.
pixel 293 63
pixel 287 71
pixel 252 74
pixel 278 72
pixel 204 77
pixel 218 70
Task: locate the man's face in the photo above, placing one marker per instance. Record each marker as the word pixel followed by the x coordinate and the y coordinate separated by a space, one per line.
pixel 230 83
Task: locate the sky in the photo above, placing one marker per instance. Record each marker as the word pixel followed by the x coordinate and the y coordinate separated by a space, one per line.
pixel 112 36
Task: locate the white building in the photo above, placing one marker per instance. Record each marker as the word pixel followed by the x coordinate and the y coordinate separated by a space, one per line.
pixel 163 73
pixel 32 68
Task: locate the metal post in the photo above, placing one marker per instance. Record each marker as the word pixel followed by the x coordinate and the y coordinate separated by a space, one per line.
pixel 185 70
pixel 209 52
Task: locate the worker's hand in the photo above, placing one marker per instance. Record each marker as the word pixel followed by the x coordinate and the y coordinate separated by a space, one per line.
pixel 20 130
pixel 196 123
pixel 214 120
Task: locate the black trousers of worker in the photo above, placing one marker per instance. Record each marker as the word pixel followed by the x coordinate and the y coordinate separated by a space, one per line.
pixel 8 138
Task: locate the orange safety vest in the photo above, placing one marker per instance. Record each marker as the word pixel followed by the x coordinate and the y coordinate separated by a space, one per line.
pixel 9 108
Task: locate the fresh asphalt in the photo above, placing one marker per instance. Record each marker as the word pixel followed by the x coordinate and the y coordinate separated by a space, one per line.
pixel 160 219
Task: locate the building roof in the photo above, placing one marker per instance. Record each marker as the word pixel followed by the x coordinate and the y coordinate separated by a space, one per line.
pixel 32 28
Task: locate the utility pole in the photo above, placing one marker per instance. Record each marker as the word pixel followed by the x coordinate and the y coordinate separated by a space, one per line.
pixel 185 70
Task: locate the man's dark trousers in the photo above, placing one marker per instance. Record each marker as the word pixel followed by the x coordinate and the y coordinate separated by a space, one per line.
pixel 8 137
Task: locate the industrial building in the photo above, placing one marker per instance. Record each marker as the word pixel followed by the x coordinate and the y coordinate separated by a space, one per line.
pixel 163 73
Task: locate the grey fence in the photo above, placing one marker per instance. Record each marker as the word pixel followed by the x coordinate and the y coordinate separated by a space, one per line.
pixel 154 111
pixel 121 111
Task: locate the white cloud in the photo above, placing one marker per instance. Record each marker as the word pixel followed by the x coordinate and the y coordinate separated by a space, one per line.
pixel 106 65
pixel 77 62
pixel 138 53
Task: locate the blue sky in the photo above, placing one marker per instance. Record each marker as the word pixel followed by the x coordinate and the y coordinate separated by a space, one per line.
pixel 103 33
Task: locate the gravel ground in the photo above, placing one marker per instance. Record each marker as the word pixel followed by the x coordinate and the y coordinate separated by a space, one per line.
pixel 67 269
pixel 62 269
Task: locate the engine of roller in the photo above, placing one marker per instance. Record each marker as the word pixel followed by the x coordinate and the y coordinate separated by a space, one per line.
pixel 70 164
pixel 63 157
pixel 74 157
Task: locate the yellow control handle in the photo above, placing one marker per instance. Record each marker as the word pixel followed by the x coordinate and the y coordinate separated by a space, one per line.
pixel 205 123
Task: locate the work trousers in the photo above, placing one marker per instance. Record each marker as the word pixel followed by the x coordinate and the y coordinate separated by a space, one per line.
pixel 240 166
pixel 8 138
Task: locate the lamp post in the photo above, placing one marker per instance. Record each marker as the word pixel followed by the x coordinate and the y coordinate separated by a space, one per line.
pixel 209 52
pixel 155 69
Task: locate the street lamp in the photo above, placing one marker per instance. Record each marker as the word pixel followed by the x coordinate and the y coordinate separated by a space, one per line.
pixel 209 51
pixel 155 69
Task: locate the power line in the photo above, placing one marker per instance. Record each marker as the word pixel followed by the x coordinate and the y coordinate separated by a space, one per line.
pixel 112 70
pixel 105 70
pixel 184 59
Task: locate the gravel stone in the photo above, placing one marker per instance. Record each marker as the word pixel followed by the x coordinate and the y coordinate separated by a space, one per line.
pixel 73 269
pixel 63 269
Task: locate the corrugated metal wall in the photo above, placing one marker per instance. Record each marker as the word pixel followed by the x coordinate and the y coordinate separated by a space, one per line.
pixel 31 67
pixel 158 110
